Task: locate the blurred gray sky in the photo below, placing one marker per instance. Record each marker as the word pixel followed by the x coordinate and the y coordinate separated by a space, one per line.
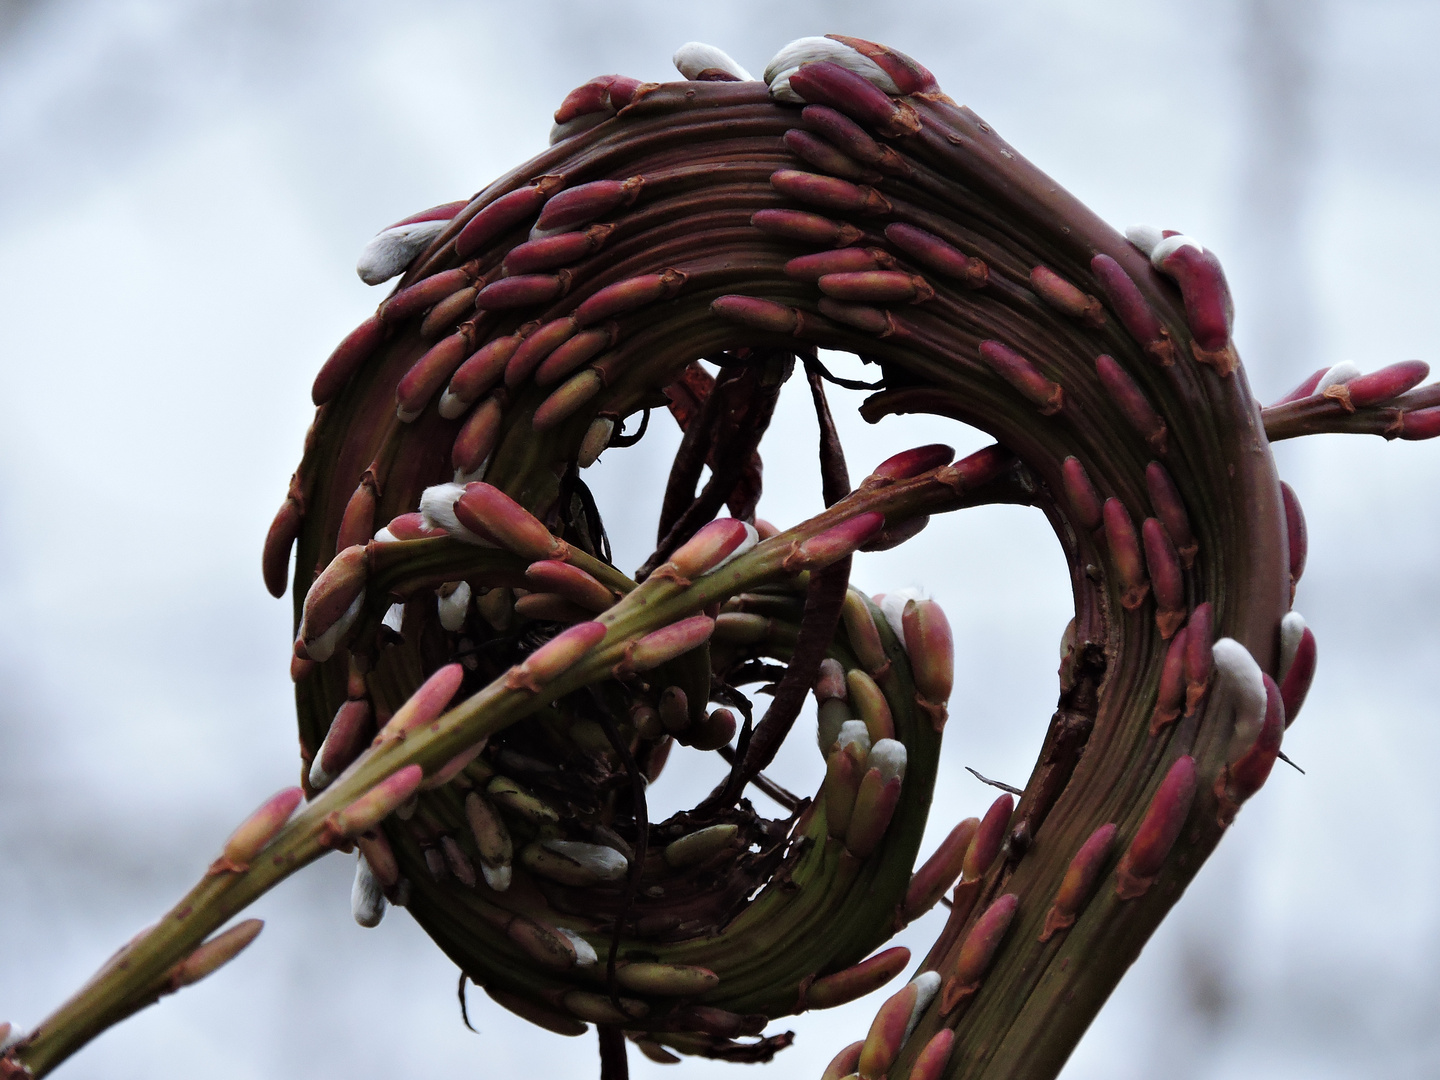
pixel 183 190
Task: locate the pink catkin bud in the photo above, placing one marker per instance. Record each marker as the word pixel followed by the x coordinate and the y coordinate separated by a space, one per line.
pixel 1199 656
pixel 978 952
pixel 419 384
pixel 1065 297
pixel 573 352
pixel 256 831
pixel 939 871
pixel 535 348
pixel 911 463
pixel 215 953
pixel 855 982
pixel 872 320
pixel 1079 881
pixel 1247 773
pixel 1170 700
pixel 584 203
pixel 831 683
pixel 851 139
pixel 484 368
pixel 348 733
pixel 1387 383
pixel 931 1061
pixel 444 315
pixel 838 261
pixel 1024 376
pixel 909 76
pixel 487 510
pixel 711 546
pixel 1159 829
pixel 1133 310
pixel 478 436
pixel 1125 392
pixel 938 255
pixel 805 227
pixel 843 776
pixel 1166 577
pixel 1080 494
pixel 887 1033
pixel 551 252
pixel 671 641
pixel 377 804
pixel 875 803
pixel 275 563
pixel 931 647
pixel 568 399
pixel 333 592
pixel 426 704
pixel 867 701
pixel 424 294
pixel 358 524
pixel 1207 296
pixel 1125 554
pixel 827 158
pixel 557 655
pixel 525 290
pixel 826 83
pixel 354 350
pixel 1170 509
pixel 767 316
pixel 835 542
pixel 1419 424
pixel 500 216
pixel 844 1063
pixel 877 287
pixel 988 837
pixel 552 575
pixel 829 192
pixel 1301 672
pixel 1296 534
pixel 628 295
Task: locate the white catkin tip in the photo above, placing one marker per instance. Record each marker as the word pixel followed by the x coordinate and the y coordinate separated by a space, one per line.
pixel 892 606
pixel 385 536
pixel 394 618
pixel 9 1036
pixel 927 985
pixel 854 733
pixel 597 438
pixel 1292 629
pixel 454 607
pixel 695 57
pixel 408 416
pixel 437 511
pixel 889 756
pixel 1338 375
pixel 497 877
pixel 1241 676
pixel 1171 244
pixel 367 898
pixel 319 778
pixel 452 406
pixel 808 50
pixel 462 478
pixel 752 537
pixel 604 862
pixel 1144 237
pixel 584 951
pixel 394 249
pixel 323 647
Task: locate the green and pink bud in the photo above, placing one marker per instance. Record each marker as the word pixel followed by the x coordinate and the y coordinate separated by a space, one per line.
pixel 333 604
pixel 855 982
pixel 931 648
pixel 876 798
pixel 555 657
pixel 989 838
pixel 485 510
pixel 256 831
pixel 938 872
pixel 1079 882
pixel 978 951
pixel 1159 829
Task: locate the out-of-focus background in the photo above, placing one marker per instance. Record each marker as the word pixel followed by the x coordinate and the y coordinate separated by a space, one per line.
pixel 184 187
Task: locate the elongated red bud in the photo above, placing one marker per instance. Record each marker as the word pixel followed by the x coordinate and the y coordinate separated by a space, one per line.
pixel 444 315
pixel 910 463
pixel 988 838
pixel 333 603
pixel 838 261
pixel 835 542
pixel 426 704
pixel 1166 577
pixel 887 1033
pixel 500 216
pixel 805 227
pixel 1065 297
pixel 827 83
pixel 1024 376
pixel 939 872
pixel 877 287
pixel 535 348
pixel 1170 700
pixel 909 76
pixel 487 510
pixel 568 399
pixel 1296 533
pixel 876 798
pixel 481 372
pixel 872 320
pixel 829 192
pixel 853 140
pixel 1080 493
pixel 1387 383
pixel 358 524
pixel 377 804
pixel 551 252
pixel 1199 658
pixel 552 575
pixel 215 953
pixel 1159 829
pixel 524 290
pixel 844 1063
pixel 978 952
pixel 429 373
pixel 1418 424
pixel 933 253
pixel 629 295
pixel 857 981
pixel 1251 762
pixel 831 683
pixel 1170 509
pixel 931 1061
pixel 1125 554
pixel 556 656
pixel 712 547
pixel 573 352
pixel 767 316
pixel 607 93
pixel 1307 387
pixel 583 203
pixel 348 734
pixel 827 158
pixel 256 831
pixel 354 350
pixel 844 771
pixel 425 293
pixel 931 647
pixel 1132 309
pixel 1125 392
pixel 1295 684
pixel 279 542
pixel 477 437
pixel 1079 881
pixel 1208 307
pixel 671 641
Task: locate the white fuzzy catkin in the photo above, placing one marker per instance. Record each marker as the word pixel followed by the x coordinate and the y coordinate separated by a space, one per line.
pixel 323 647
pixel 1144 237
pixel 367 898
pixel 1171 244
pixel 1292 629
pixel 605 863
pixel 391 251
pixel 853 733
pixel 394 618
pixel 584 951
pixel 892 606
pixel 437 511
pixel 889 756
pixel 453 608
pixel 927 985
pixel 1338 375
pixel 1244 682
pixel 695 57
pixel 808 50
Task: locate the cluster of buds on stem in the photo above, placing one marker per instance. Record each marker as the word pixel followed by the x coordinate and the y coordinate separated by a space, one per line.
pixel 484 696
